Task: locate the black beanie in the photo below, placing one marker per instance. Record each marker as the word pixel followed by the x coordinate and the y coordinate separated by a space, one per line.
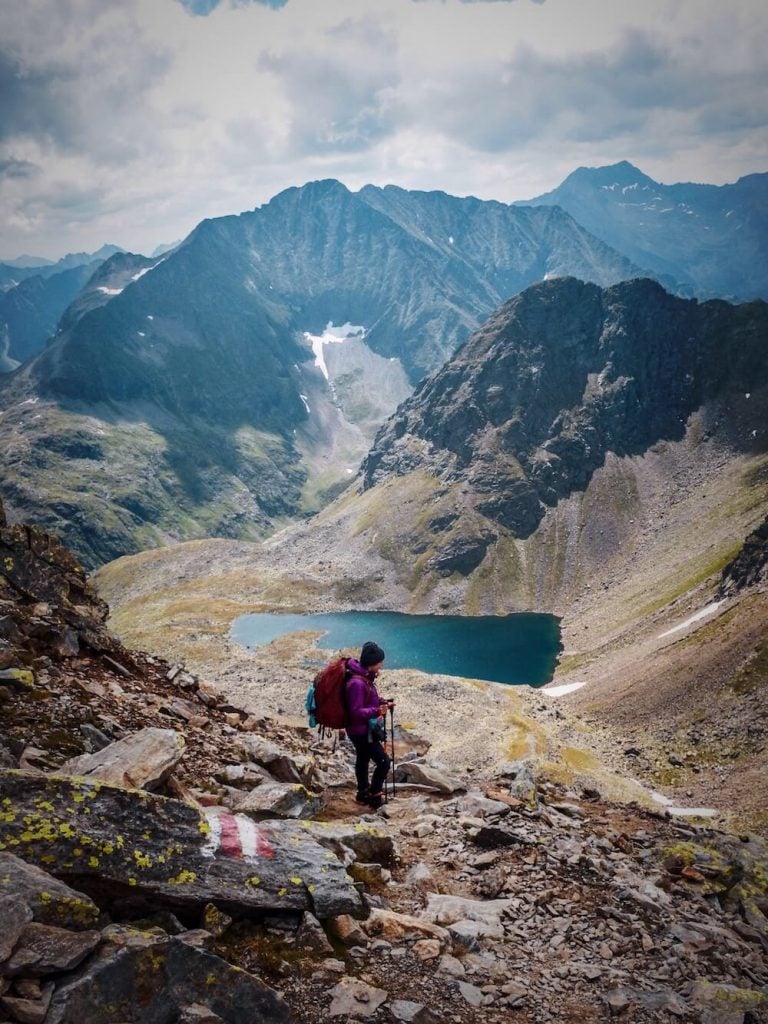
pixel 371 654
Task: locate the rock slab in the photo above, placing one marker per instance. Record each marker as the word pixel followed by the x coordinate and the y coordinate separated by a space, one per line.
pixel 168 850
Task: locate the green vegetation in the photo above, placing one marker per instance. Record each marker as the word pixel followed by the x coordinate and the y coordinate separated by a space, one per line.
pixel 696 573
pixel 753 674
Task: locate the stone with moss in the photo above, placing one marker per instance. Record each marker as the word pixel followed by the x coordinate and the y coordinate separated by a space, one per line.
pixel 110 838
pixel 163 976
pixel 50 900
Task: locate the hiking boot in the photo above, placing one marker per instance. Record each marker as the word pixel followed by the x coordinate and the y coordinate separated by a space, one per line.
pixel 362 798
pixel 375 800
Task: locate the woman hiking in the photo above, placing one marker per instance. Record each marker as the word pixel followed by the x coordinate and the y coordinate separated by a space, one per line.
pixel 364 705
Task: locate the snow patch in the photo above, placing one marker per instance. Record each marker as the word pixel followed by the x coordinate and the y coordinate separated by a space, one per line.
pixel 141 334
pixel 306 403
pixel 150 317
pixel 693 812
pixel 141 273
pixel 30 401
pixel 560 691
pixel 702 614
pixel 109 291
pixel 682 812
pixel 450 239
pixel 331 336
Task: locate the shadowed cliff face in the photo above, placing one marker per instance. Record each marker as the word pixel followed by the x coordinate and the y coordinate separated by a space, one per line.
pixel 564 374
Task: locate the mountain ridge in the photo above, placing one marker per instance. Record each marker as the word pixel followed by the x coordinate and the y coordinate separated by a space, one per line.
pixel 203 351
pixel 711 239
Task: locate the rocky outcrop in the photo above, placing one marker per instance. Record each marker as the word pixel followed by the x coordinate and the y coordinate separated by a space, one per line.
pixel 143 760
pixel 160 976
pixel 748 568
pixel 74 974
pixel 560 377
pixel 45 595
pixel 166 851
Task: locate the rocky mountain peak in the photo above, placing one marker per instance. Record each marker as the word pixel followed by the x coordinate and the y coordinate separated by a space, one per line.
pixel 620 174
pixel 565 373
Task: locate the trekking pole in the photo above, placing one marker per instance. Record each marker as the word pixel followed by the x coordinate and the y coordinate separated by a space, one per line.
pixel 392 733
pixel 385 788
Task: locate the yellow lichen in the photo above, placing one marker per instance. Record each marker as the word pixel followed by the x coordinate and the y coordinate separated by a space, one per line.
pixel 183 878
pixel 142 859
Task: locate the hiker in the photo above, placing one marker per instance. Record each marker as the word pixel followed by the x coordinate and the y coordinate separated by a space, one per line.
pixel 364 707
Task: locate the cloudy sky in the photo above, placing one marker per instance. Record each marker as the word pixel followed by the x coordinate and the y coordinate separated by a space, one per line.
pixel 128 121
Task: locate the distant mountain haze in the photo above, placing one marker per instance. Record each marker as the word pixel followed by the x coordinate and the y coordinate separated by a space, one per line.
pixel 711 239
pixel 30 312
pixel 14 271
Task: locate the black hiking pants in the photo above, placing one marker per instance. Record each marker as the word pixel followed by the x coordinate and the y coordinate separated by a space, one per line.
pixel 367 751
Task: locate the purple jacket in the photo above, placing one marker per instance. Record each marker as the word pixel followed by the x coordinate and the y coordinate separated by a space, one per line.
pixel 362 699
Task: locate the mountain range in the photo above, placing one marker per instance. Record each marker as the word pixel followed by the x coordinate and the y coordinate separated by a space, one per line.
pixel 34 294
pixel 703 240
pixel 12 272
pixel 182 396
pixel 235 382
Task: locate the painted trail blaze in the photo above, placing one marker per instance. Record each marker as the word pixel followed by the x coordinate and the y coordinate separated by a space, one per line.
pixel 234 835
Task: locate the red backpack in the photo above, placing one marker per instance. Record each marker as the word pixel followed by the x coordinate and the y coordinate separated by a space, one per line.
pixel 327 698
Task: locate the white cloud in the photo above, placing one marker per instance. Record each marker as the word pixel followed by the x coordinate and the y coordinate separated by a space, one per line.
pixel 131 120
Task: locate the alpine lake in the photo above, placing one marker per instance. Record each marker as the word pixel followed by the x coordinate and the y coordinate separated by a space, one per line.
pixel 513 649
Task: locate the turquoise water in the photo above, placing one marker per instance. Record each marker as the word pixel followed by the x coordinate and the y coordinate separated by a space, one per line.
pixel 500 648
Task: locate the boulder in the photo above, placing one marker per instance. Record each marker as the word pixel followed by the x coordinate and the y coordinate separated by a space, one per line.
pixel 386 924
pixel 408 1012
pixel 143 760
pixel 168 850
pixel 479 805
pixel 276 800
pixel 279 765
pixel 348 931
pixel 359 841
pixel 470 993
pixel 45 949
pixel 494 837
pixel 158 978
pixel 243 776
pixel 311 935
pixel 199 1014
pixel 50 901
pixel 408 742
pixel 15 915
pixel 663 1000
pixel 522 782
pixel 725 1004
pixel 487 914
pixel 29 1009
pixel 427 775
pixel 354 999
